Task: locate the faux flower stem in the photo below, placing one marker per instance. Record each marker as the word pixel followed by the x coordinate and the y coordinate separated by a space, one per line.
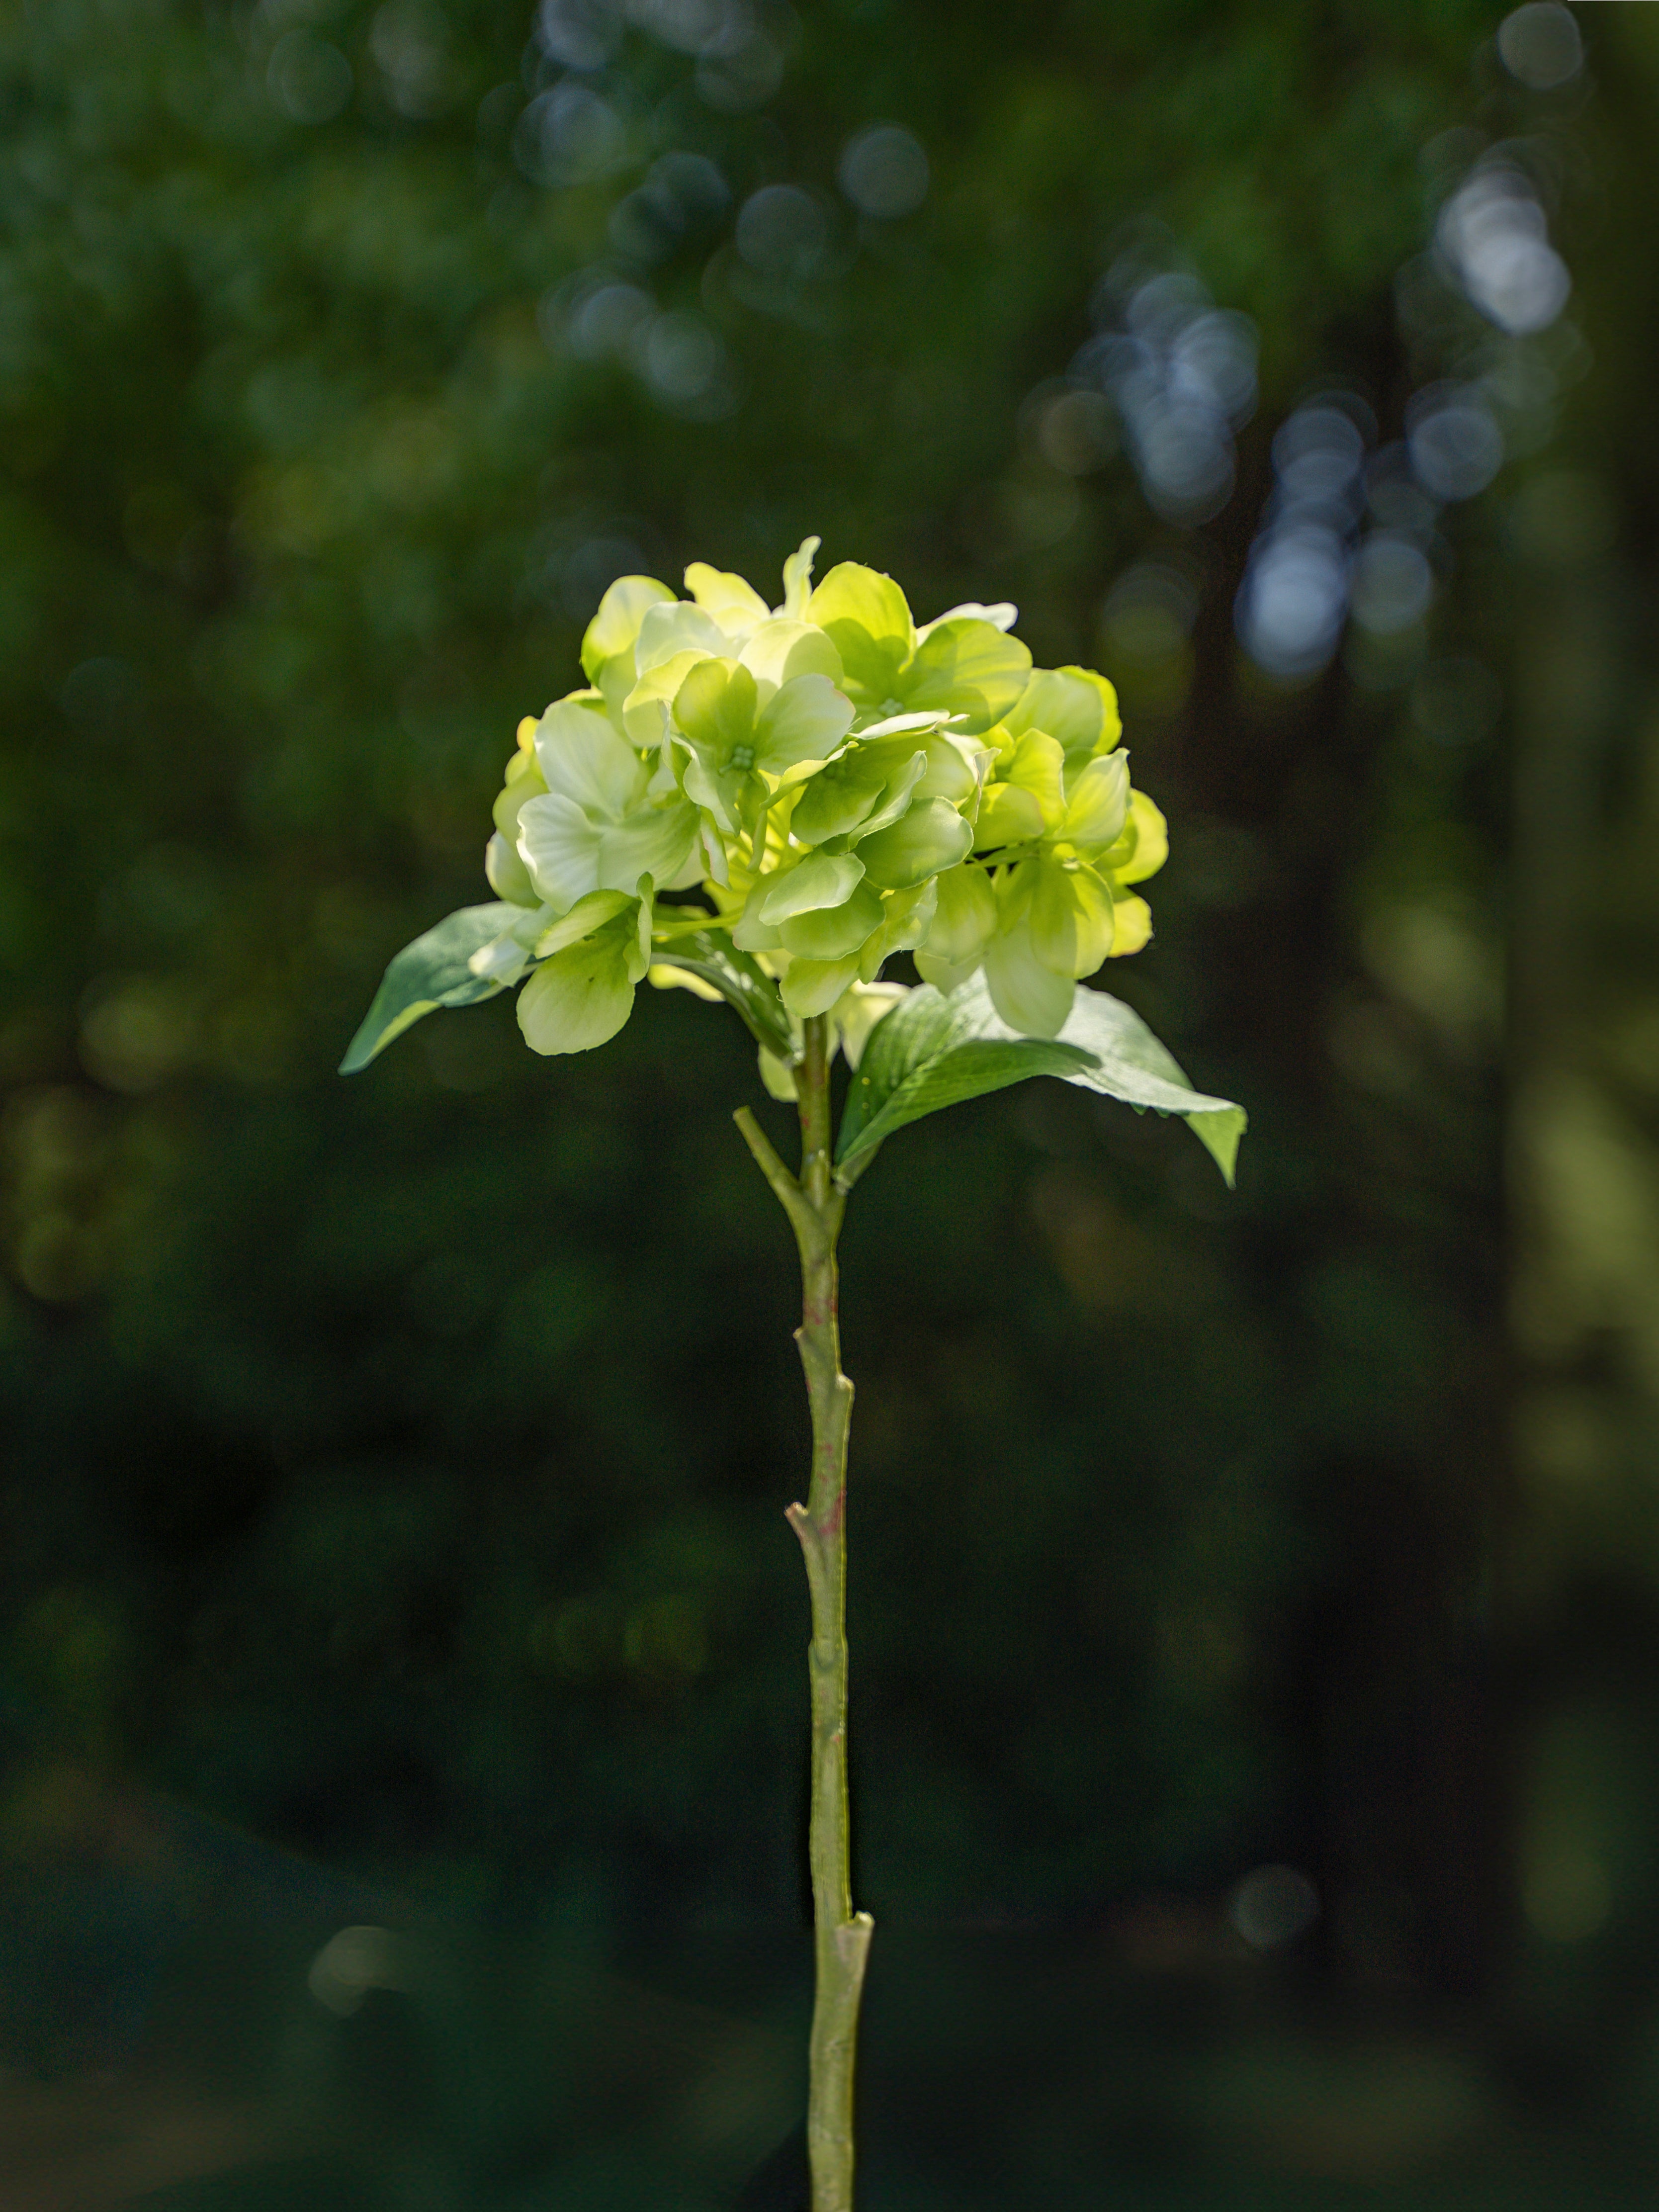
pixel 814 1206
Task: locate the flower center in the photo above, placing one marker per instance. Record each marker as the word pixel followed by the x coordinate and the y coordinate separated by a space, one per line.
pixel 743 758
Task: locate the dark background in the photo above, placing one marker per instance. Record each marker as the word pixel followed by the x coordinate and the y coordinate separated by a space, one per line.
pixel 391 1515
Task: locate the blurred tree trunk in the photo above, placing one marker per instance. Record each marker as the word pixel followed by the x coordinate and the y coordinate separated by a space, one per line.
pixel 1581 1574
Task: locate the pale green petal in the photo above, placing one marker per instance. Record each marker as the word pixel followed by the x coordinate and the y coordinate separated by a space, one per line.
pixel 1070 920
pixel 582 758
pixel 582 996
pixel 945 975
pixel 717 793
pixel 777 1076
pixel 647 710
pixel 907 919
pixel 806 720
pixel 1008 816
pixel 822 879
pixel 971 667
pixel 1068 705
pixel 587 914
pixel 503 960
pixel 677 627
pixel 1039 766
pixel 1097 804
pixel 692 869
pixel 781 649
pixel 736 606
pixel 663 975
pixel 716 865
pixel 523 781
pixel 1030 997
pixel 954 768
pixel 868 619
pixel 966 919
pixel 569 855
pixel 1028 799
pixel 1002 615
pixel 560 846
pixel 1076 705
pixel 749 932
pixel 832 932
pixel 841 795
pixel 508 876
pixel 893 725
pixel 904 773
pixel 857 1011
pixel 813 986
pixel 1146 839
pixel 931 837
pixel 831 804
pixel 1132 926
pixel 656 842
pixel 611 633
pixel 715 707
pixel 1111 725
pixel 798 578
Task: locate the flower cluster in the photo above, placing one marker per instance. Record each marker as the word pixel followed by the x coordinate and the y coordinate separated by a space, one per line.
pixel 839 784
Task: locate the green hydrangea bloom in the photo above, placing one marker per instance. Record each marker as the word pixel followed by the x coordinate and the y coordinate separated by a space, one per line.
pixel 1060 834
pixel 767 803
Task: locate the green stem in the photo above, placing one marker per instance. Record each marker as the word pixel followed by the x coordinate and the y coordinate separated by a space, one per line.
pixel 814 1206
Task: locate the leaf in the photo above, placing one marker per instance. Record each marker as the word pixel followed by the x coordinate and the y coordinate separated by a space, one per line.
pixel 432 972
pixel 933 1051
pixel 1132 1066
pixel 741 982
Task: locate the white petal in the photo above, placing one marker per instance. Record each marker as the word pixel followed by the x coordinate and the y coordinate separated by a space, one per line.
pixel 673 627
pixel 581 756
pixel 1001 616
pixel 561 848
pixel 503 960
pixel 654 842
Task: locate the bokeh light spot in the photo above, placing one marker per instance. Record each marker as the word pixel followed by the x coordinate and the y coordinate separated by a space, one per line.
pixel 1456 448
pixel 1540 46
pixel 1494 234
pixel 884 171
pixel 570 135
pixel 1273 1905
pixel 783 233
pixel 1392 584
pixel 309 80
pixel 580 34
pixel 1293 599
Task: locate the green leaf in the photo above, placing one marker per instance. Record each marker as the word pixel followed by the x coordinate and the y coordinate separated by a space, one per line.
pixel 933 1051
pixel 1132 1066
pixel 432 972
pixel 739 979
